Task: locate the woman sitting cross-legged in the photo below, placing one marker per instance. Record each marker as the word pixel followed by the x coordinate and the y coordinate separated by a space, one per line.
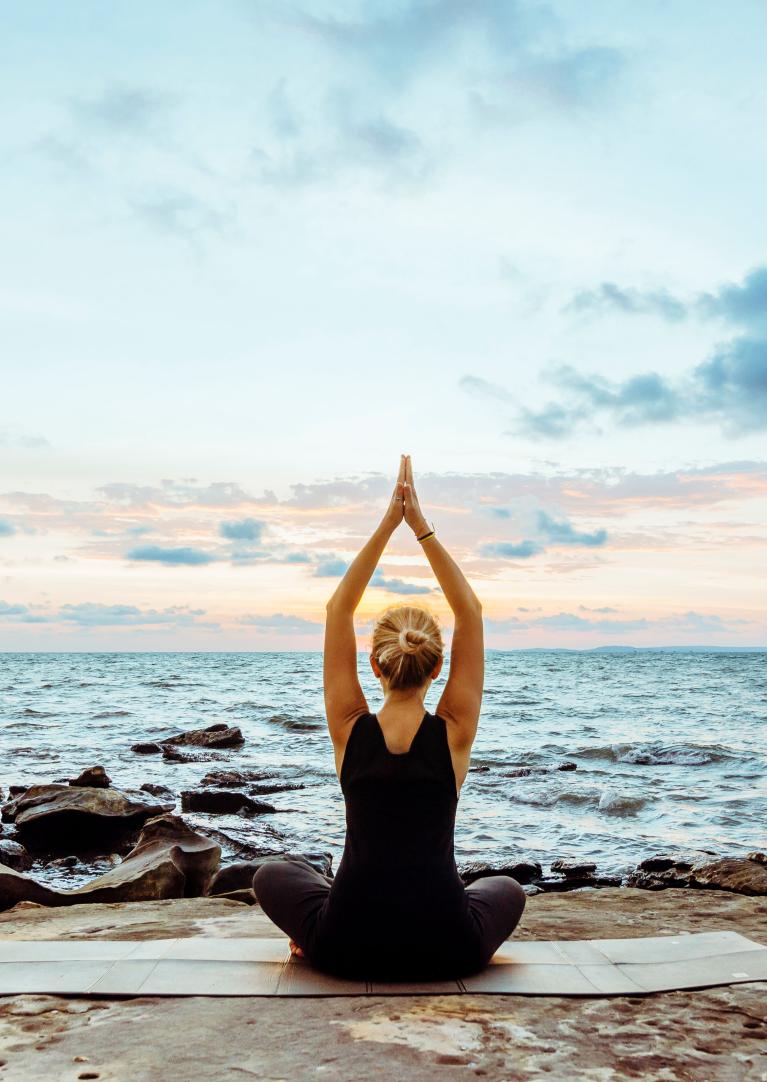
pixel 397 908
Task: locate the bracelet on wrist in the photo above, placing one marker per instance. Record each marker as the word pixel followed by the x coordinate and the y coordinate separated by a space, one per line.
pixel 427 535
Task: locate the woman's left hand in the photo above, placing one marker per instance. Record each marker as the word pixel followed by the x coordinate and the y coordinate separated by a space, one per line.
pixel 396 510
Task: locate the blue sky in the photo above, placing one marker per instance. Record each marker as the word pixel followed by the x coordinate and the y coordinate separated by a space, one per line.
pixel 255 251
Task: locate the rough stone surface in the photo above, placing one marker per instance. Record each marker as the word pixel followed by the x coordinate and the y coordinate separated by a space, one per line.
pixel 161 791
pixel 94 777
pixel 214 736
pixel 239 876
pixel 740 874
pixel 170 860
pixel 146 747
pixel 75 815
pixel 524 871
pixel 573 868
pixel 14 855
pixel 708 1035
pixel 222 802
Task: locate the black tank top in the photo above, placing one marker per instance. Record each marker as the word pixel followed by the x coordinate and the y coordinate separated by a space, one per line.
pixel 397 885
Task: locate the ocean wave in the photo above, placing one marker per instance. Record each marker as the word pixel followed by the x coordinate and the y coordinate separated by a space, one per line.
pixel 28 712
pixel 112 714
pixel 305 722
pixel 656 753
pixel 612 802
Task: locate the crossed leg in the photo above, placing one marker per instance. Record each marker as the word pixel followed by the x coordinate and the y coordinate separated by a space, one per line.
pixel 496 904
pixel 293 895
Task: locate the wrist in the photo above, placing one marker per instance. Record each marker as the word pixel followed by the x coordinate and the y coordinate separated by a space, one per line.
pixel 421 528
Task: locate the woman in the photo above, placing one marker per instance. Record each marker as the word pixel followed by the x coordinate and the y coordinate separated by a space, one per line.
pixel 397 908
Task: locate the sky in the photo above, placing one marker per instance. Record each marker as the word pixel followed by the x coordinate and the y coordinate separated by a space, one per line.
pixel 253 252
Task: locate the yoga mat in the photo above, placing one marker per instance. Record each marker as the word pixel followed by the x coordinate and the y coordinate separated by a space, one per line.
pixel 264 967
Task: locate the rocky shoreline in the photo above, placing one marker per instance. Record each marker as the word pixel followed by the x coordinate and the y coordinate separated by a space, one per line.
pixel 130 846
pixel 713 1034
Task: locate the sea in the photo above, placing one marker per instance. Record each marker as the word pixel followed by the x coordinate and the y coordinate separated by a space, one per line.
pixel 669 746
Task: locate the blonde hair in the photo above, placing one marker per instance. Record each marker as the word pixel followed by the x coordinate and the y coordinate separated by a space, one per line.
pixel 407 644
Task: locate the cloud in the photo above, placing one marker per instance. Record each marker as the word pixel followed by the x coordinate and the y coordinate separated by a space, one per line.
pixel 744 304
pixel 8 610
pixel 180 214
pixel 611 297
pixel 563 533
pixel 551 531
pixel 246 529
pixel 6 528
pixel 397 586
pixel 173 556
pixel 125 110
pixel 685 622
pixel 283 623
pixel 331 569
pixel 91 614
pixel 187 492
pixel 521 550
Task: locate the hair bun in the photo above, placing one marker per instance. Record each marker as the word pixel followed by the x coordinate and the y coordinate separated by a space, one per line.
pixel 410 639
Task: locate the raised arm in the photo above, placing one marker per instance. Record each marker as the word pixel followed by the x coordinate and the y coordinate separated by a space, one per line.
pixel 344 698
pixel 462 696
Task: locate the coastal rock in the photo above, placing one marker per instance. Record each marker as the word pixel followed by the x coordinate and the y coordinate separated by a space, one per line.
pixel 237 877
pixel 704 1034
pixel 524 871
pixel 259 782
pixel 13 855
pixel 56 813
pixel 760 858
pixel 158 790
pixel 738 874
pixel 228 779
pixel 681 859
pixel 148 747
pixel 95 777
pixel 222 802
pixel 525 771
pixel 219 735
pixel 731 873
pixel 573 869
pixel 173 754
pixel 170 860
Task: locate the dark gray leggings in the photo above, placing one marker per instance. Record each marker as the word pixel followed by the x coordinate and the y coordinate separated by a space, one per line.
pixel 293 896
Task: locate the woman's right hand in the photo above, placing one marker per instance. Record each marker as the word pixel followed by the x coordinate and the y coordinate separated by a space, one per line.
pixel 413 514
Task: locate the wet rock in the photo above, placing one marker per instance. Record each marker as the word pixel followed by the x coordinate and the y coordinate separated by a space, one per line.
pixel 170 860
pixel 54 814
pixel 679 858
pixel 14 855
pixel 525 771
pixel 222 802
pixel 239 876
pixel 760 858
pixel 560 883
pixel 524 871
pixel 258 781
pixel 245 896
pixel 63 862
pixel 161 791
pixel 738 874
pixel 172 754
pixel 227 779
pixel 731 873
pixel 95 777
pixel 148 747
pixel 573 869
pixel 16 790
pixel 214 736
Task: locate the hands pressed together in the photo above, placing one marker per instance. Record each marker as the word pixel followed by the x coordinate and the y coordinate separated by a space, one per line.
pixel 404 502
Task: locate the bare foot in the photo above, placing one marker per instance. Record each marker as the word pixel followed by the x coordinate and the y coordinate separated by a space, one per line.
pixel 295 949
